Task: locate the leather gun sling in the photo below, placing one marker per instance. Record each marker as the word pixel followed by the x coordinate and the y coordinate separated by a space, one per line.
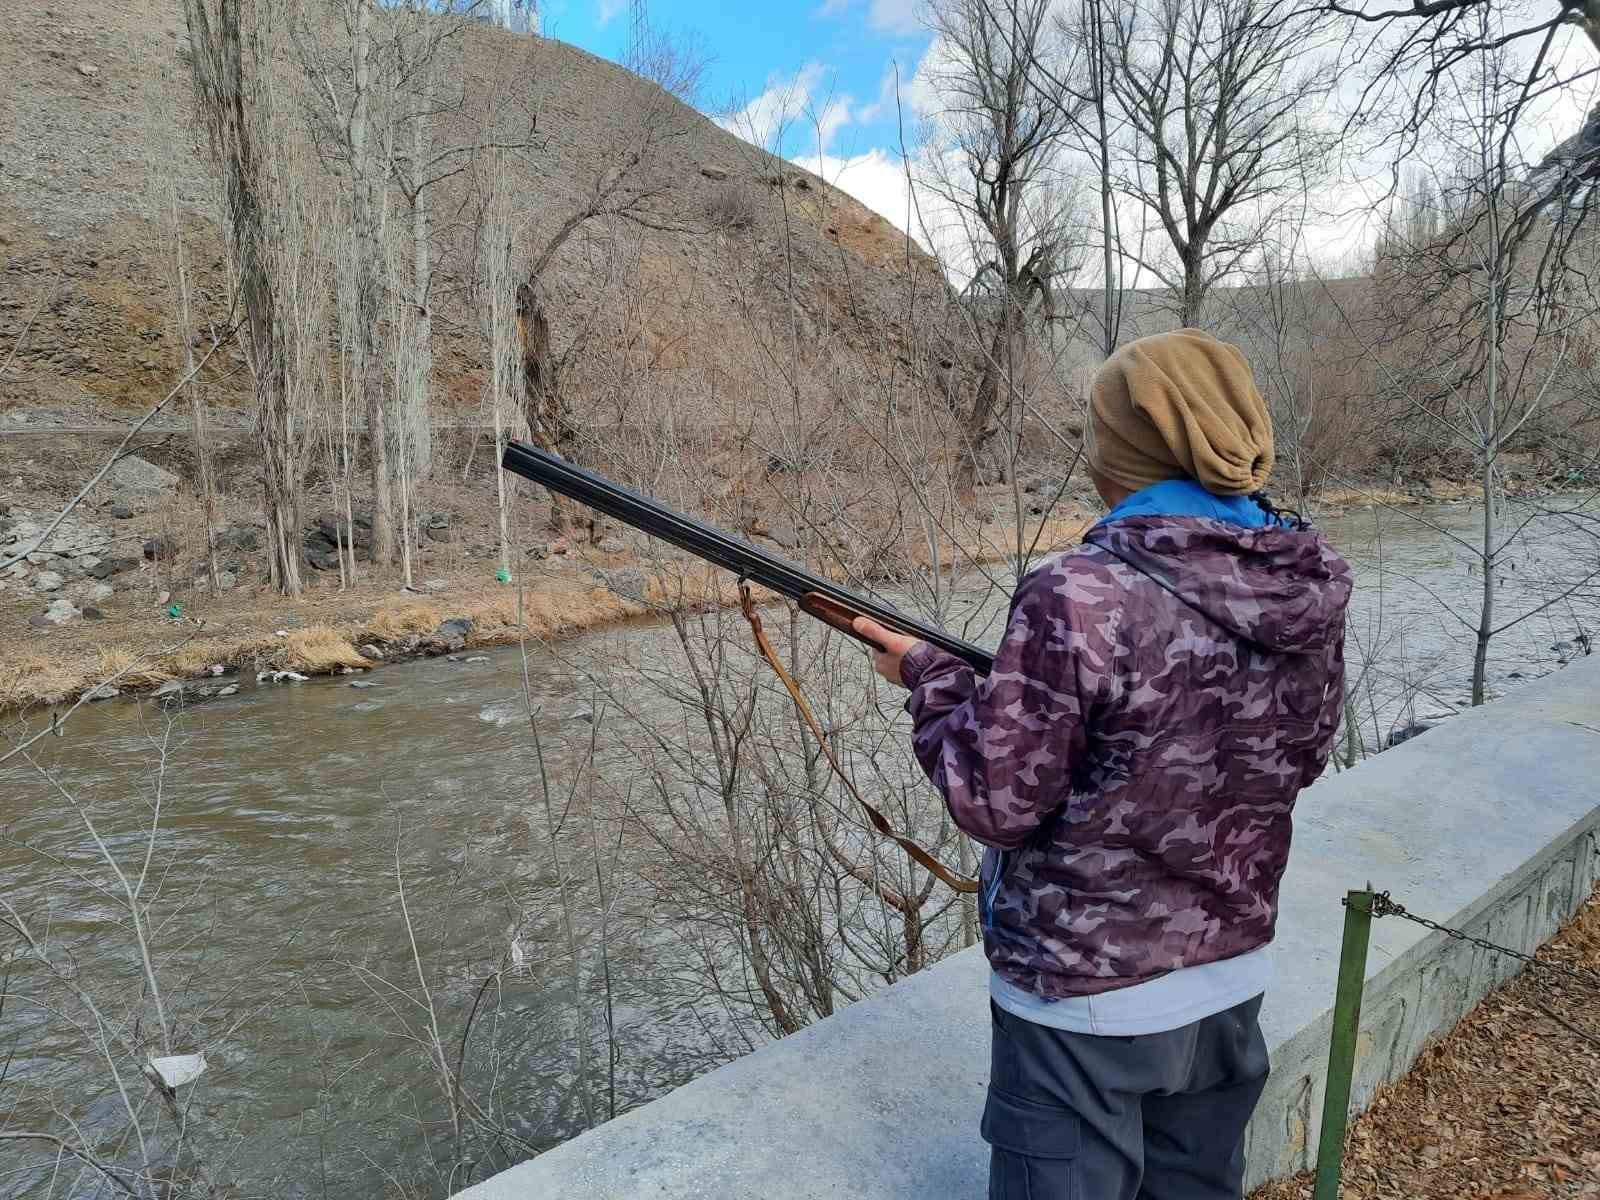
pixel 957 883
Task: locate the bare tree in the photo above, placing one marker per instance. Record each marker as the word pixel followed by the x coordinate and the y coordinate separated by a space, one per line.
pixel 629 189
pixel 998 147
pixel 426 43
pixel 498 306
pixel 676 62
pixel 1480 324
pixel 230 49
pixel 1218 101
pixel 368 170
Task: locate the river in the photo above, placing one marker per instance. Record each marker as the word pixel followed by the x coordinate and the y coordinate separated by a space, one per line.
pixel 289 815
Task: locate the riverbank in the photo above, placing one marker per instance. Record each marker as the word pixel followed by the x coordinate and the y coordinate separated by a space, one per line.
pixel 210 645
pixel 159 629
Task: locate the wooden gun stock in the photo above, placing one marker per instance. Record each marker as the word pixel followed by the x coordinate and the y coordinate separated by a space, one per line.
pixel 838 614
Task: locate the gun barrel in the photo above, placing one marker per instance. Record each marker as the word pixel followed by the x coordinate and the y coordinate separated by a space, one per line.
pixel 704 541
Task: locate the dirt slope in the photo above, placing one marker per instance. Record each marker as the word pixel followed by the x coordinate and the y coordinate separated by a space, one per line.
pixel 97 145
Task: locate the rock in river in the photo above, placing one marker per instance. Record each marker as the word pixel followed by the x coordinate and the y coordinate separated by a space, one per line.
pixel 452 634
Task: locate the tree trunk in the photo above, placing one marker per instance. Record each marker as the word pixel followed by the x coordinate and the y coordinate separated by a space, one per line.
pixel 539 395
pixel 368 247
pixel 1112 292
pixel 1193 288
pixel 916 946
pixel 202 456
pixel 197 415
pixel 969 905
pixel 419 432
pixel 1485 631
pixel 217 60
pixel 980 422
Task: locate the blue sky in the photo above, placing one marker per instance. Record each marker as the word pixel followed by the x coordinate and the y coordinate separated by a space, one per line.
pixel 839 53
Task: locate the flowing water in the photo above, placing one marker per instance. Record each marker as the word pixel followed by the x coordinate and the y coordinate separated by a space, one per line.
pixel 288 814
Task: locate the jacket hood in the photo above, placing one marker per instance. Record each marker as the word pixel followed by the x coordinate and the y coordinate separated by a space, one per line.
pixel 1281 588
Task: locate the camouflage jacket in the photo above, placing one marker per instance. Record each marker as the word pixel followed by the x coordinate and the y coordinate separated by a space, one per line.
pixel 1161 696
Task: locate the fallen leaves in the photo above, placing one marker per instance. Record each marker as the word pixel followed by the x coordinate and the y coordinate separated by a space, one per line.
pixel 1506 1107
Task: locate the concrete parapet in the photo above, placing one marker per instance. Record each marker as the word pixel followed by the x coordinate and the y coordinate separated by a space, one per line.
pixel 1488 823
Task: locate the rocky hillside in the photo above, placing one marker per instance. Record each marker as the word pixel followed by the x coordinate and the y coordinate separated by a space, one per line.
pixel 100 150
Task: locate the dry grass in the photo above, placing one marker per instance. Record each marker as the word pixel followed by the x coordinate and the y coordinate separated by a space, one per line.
pixel 394 621
pixel 1504 1108
pixel 320 651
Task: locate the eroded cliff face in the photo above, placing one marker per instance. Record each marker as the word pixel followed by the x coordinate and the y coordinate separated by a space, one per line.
pixel 717 248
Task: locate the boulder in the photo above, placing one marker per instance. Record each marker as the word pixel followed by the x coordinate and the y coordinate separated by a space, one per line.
pixel 363 684
pixel 1405 735
pixel 120 512
pixel 629 585
pixel 160 549
pixel 104 692
pixel 452 634
pixel 455 627
pixel 244 538
pixel 612 545
pixel 88 70
pixel 61 611
pixel 48 581
pixel 322 539
pixel 370 650
pixel 437 528
pixel 91 613
pixel 322 558
pixel 134 476
pixel 436 585
pixel 98 592
pixel 714 172
pixel 107 567
pixel 227 581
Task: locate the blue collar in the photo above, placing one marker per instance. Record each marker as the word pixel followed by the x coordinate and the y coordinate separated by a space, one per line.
pixel 1186 498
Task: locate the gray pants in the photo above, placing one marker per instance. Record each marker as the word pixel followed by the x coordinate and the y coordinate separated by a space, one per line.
pixel 1161 1116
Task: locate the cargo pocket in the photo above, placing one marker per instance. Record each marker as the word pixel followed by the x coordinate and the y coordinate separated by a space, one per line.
pixel 1034 1148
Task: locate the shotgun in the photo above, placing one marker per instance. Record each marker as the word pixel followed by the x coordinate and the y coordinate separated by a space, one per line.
pixel 815 595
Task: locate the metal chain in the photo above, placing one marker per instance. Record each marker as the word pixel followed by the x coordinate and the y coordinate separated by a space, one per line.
pixel 1384 906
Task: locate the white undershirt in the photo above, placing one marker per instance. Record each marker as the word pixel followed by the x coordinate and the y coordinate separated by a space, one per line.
pixel 1169 1001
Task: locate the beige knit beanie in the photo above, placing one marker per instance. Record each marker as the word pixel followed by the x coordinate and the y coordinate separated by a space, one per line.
pixel 1180 404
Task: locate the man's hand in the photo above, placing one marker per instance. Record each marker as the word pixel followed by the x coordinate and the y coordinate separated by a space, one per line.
pixel 885 662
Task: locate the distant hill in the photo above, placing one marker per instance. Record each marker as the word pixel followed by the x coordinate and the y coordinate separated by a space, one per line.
pixel 96 137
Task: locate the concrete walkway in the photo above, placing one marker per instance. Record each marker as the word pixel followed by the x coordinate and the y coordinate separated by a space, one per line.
pixel 1488 822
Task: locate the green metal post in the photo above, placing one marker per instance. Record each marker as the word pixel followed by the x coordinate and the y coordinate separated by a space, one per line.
pixel 1342 1046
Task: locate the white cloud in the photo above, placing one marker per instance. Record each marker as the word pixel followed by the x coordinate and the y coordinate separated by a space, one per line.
pixel 834 116
pixel 874 178
pixel 887 98
pixel 610 10
pixel 833 8
pixel 799 105
pixel 896 16
pixel 878 180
